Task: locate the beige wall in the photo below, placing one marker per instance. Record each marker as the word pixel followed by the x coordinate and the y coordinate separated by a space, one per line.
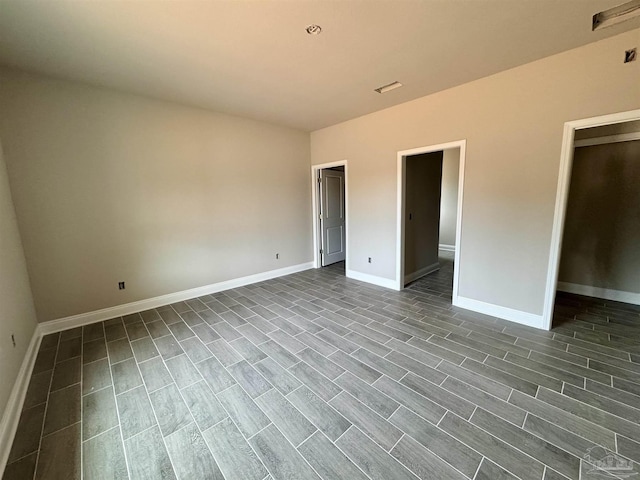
pixel 423 180
pixel 17 314
pixel 449 201
pixel 601 245
pixel 513 124
pixel 113 187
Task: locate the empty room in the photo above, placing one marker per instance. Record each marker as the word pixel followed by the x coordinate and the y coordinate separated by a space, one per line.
pixel 287 239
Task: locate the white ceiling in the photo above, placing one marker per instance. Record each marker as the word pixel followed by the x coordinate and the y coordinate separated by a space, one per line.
pixel 254 58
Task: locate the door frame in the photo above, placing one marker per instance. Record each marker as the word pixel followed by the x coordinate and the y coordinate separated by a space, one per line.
pixel 401 171
pixel 315 211
pixel 562 194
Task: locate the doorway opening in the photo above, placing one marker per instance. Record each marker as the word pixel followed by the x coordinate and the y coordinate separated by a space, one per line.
pixel 430 193
pixel 330 219
pixel 594 241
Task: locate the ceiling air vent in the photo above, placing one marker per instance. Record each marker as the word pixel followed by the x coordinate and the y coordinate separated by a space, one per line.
pixel 388 88
pixel 615 15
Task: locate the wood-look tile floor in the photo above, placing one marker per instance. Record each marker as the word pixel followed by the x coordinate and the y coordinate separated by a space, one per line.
pixel 315 375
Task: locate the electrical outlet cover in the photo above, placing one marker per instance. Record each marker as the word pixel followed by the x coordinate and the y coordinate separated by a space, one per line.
pixel 630 55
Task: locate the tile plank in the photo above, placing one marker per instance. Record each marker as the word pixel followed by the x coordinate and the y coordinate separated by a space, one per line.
pixel 136 414
pixel 567 421
pixel 103 457
pixel 327 419
pixel 60 454
pixel 544 452
pixel 490 471
pixel 203 404
pixel 233 454
pixel 99 413
pixel 95 376
pixel 318 383
pixel 439 396
pixel 190 455
pixel 243 410
pixel 328 460
pixel 496 450
pixel 371 459
pixel 27 437
pixel 357 368
pixel 368 395
pixel 155 374
pixel 422 462
pixel 215 375
pixel 383 432
pixel 426 408
pixel 277 376
pixel 321 363
pixel 380 364
pixel 281 459
pixel 170 409
pixel 247 376
pixel 63 409
pixel 295 427
pixel 434 439
pixel 490 403
pixel 592 414
pixel 147 456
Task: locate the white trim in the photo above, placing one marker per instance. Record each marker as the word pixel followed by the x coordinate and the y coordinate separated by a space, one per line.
pixel 518 316
pixel 421 273
pixel 141 305
pixel 564 177
pixel 400 181
pixel 606 293
pixel 315 210
pixel 11 415
pixel 401 162
pixel 373 279
pixel 447 248
pixel 622 137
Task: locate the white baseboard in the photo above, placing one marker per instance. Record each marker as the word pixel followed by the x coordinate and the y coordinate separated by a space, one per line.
pixel 447 248
pixel 11 415
pixel 375 280
pixel 73 321
pixel 421 273
pixel 607 294
pixel 517 316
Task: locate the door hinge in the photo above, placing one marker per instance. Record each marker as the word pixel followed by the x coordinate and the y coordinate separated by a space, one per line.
pixel 320 216
pixel 321 252
pixel 319 180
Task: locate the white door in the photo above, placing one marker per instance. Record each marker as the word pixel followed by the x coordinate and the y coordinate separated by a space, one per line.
pixel 332 216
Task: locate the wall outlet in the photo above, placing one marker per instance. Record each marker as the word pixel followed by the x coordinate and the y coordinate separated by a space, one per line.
pixel 120 285
pixel 277 256
pixel 369 259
